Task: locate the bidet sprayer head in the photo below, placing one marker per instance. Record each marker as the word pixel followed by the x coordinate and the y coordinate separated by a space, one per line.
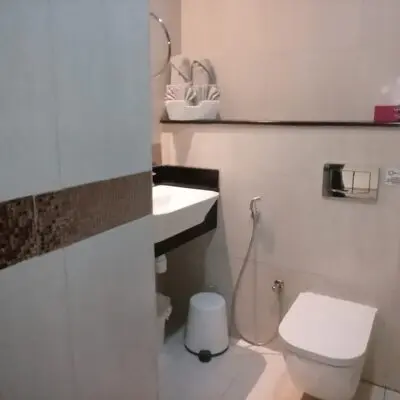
pixel 255 213
pixel 278 285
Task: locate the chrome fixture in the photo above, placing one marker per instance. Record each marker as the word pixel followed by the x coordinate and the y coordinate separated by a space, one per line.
pixel 347 181
pixel 255 212
pixel 276 288
pixel 168 37
pixel 278 285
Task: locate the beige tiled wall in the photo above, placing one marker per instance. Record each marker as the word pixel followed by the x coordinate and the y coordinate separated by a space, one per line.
pixel 305 60
pixel 339 248
pixel 297 59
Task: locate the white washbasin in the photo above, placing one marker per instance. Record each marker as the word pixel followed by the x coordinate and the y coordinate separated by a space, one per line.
pixel 176 209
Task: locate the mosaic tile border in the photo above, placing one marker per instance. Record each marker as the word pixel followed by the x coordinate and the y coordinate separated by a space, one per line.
pixel 35 225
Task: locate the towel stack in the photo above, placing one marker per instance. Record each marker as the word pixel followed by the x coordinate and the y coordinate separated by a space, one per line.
pixel 192 81
pixel 193 92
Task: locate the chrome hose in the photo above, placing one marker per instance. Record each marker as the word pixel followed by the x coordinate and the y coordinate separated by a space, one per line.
pixel 276 288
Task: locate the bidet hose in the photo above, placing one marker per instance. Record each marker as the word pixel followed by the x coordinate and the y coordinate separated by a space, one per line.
pixel 277 288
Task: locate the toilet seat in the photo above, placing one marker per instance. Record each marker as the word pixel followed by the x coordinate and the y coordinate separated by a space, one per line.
pixel 329 331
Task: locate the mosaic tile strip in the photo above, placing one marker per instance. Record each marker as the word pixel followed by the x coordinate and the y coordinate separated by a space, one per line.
pixel 70 215
pixel 17 231
pixel 76 213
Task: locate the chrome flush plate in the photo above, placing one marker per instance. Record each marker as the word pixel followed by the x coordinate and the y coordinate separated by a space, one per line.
pixel 348 181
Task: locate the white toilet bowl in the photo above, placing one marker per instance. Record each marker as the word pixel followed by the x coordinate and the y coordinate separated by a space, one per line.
pixel 325 344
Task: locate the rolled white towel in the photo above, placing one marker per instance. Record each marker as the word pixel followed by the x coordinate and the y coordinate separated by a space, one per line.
pixel 200 74
pixel 210 68
pixel 214 93
pixel 170 93
pixel 191 95
pixel 180 70
pixel 203 76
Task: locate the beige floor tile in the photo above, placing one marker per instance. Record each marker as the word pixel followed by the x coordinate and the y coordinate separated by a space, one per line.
pixel 266 351
pixel 390 395
pixel 183 377
pixel 369 392
pixel 245 372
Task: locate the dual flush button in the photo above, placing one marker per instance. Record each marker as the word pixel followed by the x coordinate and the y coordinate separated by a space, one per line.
pixel 347 181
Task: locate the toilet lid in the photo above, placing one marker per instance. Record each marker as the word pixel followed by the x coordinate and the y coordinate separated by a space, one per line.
pixel 331 331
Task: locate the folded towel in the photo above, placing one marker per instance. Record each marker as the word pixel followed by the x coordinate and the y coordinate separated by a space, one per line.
pixel 170 93
pixel 203 72
pixel 200 74
pixel 180 70
pixel 210 68
pixel 213 93
pixel 191 96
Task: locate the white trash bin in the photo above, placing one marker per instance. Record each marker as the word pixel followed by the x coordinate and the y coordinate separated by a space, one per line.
pixel 207 326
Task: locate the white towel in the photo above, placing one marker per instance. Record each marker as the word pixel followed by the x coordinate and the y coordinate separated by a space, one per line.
pixel 203 74
pixel 180 70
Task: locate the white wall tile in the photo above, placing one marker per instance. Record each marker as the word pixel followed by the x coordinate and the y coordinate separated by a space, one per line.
pixel 111 289
pixel 380 360
pixel 390 330
pixel 298 80
pixel 298 226
pixel 310 25
pixel 285 60
pixel 28 155
pixel 344 249
pixel 379 23
pixel 103 80
pixel 222 274
pixel 36 357
pixel 75 108
pixel 381 79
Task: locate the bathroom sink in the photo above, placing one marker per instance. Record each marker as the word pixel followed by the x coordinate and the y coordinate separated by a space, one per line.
pixel 176 209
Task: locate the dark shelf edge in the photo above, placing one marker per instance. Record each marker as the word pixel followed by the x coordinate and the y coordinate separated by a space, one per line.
pixel 287 123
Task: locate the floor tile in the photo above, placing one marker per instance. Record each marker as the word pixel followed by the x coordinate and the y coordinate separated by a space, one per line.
pixel 272 384
pixel 369 392
pixel 245 372
pixel 258 349
pixel 183 377
pixel 390 395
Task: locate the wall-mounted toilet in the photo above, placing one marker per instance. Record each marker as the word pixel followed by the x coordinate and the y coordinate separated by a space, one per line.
pixel 325 343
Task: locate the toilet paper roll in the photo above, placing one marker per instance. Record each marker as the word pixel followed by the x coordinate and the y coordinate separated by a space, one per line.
pixel 161 264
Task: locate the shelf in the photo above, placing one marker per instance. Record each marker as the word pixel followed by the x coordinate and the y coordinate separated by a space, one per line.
pixel 367 124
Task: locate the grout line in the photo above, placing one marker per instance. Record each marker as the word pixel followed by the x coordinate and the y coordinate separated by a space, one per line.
pixel 233 380
pixel 70 339
pixel 386 388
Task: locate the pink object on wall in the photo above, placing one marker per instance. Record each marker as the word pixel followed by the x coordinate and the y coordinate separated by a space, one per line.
pixel 387 113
